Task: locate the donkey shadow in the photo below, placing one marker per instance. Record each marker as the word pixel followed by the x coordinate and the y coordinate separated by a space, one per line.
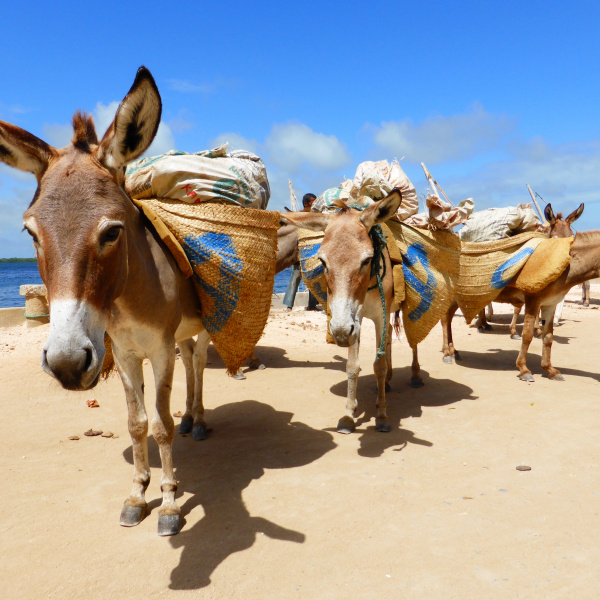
pixel 248 438
pixel 402 402
pixel 273 357
pixel 497 359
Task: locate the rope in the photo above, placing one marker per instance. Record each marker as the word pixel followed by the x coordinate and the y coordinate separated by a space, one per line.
pixel 379 243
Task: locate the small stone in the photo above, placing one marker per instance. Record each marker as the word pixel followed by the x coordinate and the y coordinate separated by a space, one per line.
pixel 523 468
pixel 73 437
pixel 92 432
pixel 92 403
pixel 107 434
pixel 178 414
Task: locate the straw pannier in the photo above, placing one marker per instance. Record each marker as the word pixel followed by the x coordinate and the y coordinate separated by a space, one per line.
pixel 487 267
pixel 232 252
pixel 313 275
pixel 430 269
pixel 545 265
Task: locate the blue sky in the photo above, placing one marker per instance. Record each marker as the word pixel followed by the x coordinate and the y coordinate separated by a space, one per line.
pixel 490 95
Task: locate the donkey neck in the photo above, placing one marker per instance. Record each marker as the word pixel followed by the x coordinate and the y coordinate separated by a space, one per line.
pixel 585 258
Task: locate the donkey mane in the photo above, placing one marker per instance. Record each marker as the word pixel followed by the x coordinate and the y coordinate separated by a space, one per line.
pixel 588 236
pixel 84 132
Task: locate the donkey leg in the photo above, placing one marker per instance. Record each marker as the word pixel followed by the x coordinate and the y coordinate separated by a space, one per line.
pixel 513 324
pixel 415 367
pixel 186 349
pixel 346 423
pixel 388 358
pixel 163 429
pixel 449 353
pixel 200 430
pixel 380 366
pixel 135 507
pixel 547 339
pixel 528 325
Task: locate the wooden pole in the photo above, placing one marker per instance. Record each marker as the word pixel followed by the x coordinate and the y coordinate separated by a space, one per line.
pixel 536 204
pixel 293 197
pixel 433 183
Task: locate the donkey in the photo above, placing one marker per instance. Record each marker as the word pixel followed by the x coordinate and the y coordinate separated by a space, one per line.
pixel 584 265
pixel 346 254
pixel 106 271
pixel 559 228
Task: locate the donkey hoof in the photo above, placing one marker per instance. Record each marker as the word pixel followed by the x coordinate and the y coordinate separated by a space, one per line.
pixel 200 432
pixel 239 375
pixel 557 377
pixel 448 360
pixel 186 424
pixel 346 425
pixel 382 425
pixel 416 382
pixel 528 377
pixel 169 524
pixel 132 515
pixel 515 336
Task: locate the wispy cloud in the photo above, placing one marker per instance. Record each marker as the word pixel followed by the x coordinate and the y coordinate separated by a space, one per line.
pixel 185 86
pixel 444 138
pixel 294 145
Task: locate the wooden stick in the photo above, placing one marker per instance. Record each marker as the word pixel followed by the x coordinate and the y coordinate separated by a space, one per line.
pixel 536 204
pixel 433 183
pixel 293 197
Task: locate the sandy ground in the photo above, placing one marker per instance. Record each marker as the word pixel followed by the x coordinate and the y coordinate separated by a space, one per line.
pixel 278 505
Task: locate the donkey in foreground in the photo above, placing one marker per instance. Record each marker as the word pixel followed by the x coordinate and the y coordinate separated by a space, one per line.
pixel 346 254
pixel 106 271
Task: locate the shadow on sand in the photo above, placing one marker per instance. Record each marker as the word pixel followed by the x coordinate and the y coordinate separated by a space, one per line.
pixel 496 359
pixel 276 358
pixel 248 438
pixel 402 402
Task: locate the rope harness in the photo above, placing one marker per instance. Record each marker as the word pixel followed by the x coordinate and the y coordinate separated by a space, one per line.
pixel 377 265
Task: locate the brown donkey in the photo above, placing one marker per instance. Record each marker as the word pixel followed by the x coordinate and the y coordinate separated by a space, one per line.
pixel 107 272
pixel 559 228
pixel 585 265
pixel 346 254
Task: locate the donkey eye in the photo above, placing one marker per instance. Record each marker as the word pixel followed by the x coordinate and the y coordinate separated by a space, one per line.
pixel 111 235
pixel 365 262
pixel 33 236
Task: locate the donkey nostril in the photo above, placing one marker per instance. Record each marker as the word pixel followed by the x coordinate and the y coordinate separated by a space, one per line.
pixel 351 329
pixel 88 359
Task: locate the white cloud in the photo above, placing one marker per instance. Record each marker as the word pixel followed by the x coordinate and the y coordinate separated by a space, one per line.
pixel 440 138
pixel 236 142
pixel 294 145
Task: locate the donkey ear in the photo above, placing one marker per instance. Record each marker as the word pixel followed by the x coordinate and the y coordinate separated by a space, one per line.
pixel 575 215
pixel 549 214
pixel 306 220
pixel 24 151
pixel 382 210
pixel 135 124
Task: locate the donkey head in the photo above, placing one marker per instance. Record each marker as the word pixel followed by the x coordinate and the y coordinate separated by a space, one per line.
pixel 346 253
pixel 78 220
pixel 560 227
